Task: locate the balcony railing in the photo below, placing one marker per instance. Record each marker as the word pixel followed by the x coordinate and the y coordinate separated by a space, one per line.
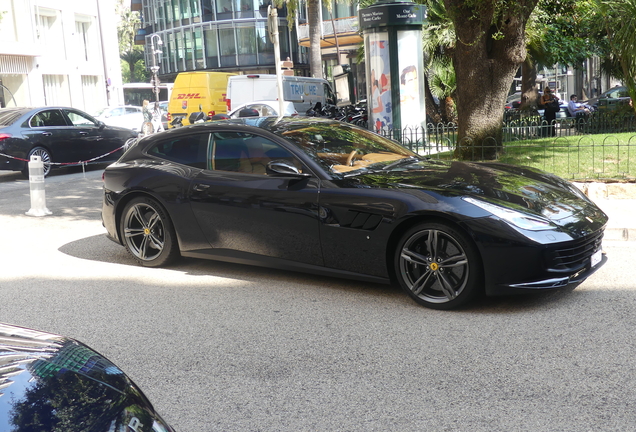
pixel 342 25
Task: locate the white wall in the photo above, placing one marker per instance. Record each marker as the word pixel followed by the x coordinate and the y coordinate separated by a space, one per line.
pixel 67 50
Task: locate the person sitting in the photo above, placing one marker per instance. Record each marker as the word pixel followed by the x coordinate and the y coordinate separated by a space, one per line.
pixel 577 109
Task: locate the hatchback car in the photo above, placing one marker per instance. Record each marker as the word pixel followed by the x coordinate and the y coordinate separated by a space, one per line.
pixel 322 196
pixel 59 135
pixel 54 383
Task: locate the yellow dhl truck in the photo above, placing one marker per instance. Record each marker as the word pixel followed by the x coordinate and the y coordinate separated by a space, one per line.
pixel 198 91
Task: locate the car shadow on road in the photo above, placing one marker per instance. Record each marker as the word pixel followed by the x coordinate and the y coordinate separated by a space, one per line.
pixel 100 248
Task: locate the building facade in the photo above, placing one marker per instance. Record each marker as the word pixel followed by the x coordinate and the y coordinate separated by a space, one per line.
pixel 232 36
pixel 59 53
pixel 222 35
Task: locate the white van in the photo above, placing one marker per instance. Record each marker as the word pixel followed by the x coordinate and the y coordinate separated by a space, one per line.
pixel 304 92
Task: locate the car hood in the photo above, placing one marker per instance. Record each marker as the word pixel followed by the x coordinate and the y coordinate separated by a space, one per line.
pixel 520 188
pixel 58 382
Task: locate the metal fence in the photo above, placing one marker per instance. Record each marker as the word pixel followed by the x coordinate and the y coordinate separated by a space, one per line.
pixel 598 147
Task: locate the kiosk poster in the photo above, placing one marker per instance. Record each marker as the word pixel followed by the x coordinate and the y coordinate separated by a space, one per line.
pixel 378 69
pixel 411 82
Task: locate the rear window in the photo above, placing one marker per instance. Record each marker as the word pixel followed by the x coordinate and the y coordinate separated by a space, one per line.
pixel 189 150
pixel 8 117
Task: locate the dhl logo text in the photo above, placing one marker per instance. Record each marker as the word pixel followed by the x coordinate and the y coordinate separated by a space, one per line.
pixel 188 96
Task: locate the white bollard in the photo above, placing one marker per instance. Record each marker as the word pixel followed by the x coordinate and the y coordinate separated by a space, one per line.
pixel 36 182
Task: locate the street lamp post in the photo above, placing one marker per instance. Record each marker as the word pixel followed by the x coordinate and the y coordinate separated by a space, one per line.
pixel 154 69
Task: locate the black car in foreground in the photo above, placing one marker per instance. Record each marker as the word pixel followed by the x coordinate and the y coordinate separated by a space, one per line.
pixel 327 197
pixel 59 135
pixel 54 383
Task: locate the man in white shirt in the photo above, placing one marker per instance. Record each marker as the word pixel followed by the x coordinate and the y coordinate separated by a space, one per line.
pixel 577 109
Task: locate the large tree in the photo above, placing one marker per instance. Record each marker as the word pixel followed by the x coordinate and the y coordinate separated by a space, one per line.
pixel 490 45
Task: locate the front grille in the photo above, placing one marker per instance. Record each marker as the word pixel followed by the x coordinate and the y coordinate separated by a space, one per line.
pixel 573 256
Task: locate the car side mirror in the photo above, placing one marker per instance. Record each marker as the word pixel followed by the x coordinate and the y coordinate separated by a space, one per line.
pixel 282 167
pixel 100 124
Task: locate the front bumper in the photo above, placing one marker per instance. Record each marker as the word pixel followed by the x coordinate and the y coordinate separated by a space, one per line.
pixel 564 282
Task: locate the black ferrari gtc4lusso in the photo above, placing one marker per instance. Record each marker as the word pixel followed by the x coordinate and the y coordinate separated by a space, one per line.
pixel 330 198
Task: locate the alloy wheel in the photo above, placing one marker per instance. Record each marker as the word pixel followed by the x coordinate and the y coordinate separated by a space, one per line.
pixel 434 266
pixel 144 232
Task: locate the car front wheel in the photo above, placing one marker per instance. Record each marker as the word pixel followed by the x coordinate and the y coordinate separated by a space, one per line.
pixel 148 234
pixel 438 266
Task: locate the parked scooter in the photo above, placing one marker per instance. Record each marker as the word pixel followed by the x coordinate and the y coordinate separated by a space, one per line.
pixel 177 122
pixel 328 111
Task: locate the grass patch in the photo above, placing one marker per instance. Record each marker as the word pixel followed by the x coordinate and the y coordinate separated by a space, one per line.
pixel 577 157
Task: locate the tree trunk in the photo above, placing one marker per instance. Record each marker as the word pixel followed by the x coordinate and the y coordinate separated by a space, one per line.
pixel 315 54
pixel 490 46
pixel 529 93
pixel 449 110
pixel 131 68
pixel 432 110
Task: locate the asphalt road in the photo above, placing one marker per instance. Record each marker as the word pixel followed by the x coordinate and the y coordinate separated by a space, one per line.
pixel 221 347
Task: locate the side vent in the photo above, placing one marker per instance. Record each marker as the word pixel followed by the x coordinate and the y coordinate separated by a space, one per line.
pixel 360 220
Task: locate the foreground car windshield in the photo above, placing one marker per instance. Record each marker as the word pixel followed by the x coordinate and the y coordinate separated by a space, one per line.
pixel 341 148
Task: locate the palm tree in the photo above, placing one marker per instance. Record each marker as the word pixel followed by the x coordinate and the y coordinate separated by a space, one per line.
pixel 313 18
pixel 130 53
pixel 438 42
pixel 132 58
pixel 129 23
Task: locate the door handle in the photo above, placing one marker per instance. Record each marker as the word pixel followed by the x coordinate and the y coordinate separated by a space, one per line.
pixel 83 133
pixel 200 187
pixel 47 133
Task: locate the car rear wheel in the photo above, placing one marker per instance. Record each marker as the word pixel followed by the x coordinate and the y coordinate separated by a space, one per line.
pixel 438 266
pixel 46 160
pixel 148 234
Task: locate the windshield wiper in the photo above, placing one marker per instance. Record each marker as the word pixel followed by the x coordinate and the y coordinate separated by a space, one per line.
pixel 399 162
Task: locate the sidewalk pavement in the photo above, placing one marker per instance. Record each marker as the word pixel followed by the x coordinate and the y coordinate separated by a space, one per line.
pixel 618 201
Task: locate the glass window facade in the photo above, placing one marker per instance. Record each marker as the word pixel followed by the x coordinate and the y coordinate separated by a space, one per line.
pixel 217 35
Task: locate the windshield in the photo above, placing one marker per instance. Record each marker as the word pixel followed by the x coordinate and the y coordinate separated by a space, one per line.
pixel 100 112
pixel 342 148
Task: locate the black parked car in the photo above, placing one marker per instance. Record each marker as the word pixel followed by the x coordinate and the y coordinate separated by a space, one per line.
pixel 59 135
pixel 54 383
pixel 327 197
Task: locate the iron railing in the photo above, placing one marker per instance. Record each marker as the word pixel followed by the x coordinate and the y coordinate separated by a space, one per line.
pixel 600 147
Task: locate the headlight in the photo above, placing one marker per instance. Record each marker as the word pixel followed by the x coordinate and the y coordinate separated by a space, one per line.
pixel 513 217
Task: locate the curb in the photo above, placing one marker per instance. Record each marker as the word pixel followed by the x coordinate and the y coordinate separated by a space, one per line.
pixel 618 201
pixel 619 234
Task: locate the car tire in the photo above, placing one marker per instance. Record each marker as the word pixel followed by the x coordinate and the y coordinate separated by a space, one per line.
pixel 438 266
pixel 148 234
pixel 46 160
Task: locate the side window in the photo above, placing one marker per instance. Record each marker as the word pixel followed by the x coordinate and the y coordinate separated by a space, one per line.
pixel 48 118
pixel 266 110
pixel 79 119
pixel 191 150
pixel 246 153
pixel 131 110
